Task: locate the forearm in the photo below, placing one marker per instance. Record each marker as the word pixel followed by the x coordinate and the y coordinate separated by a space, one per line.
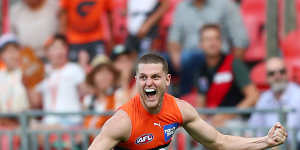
pixel 228 142
pixel 246 103
pixel 62 17
pixel 156 16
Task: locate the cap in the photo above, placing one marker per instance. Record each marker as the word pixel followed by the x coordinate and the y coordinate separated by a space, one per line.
pixel 99 59
pixel 7 39
pixel 117 51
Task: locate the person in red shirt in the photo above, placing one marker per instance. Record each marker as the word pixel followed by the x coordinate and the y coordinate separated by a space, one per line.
pixel 83 22
pixel 150 119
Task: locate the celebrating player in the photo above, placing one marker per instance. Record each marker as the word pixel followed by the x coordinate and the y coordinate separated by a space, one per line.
pixel 149 120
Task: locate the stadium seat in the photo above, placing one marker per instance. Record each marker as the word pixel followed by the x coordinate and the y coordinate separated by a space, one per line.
pixel 291 45
pixel 293 66
pixel 253 13
pixel 5 142
pixel 258 76
pixel 191 97
pixel 256 52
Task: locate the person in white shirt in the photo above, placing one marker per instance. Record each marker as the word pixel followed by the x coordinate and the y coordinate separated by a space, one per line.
pixel 60 90
pixel 33 21
pixel 13 94
pixel 282 94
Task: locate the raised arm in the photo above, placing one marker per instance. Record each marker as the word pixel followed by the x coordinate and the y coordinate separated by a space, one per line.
pixel 212 139
pixel 115 130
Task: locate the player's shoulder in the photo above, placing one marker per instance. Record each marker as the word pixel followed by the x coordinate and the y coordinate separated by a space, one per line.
pixel 188 112
pixel 182 104
pixel 118 126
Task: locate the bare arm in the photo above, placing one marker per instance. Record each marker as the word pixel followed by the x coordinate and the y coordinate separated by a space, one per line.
pixel 115 130
pixel 251 96
pixel 212 139
pixel 62 17
pixel 154 18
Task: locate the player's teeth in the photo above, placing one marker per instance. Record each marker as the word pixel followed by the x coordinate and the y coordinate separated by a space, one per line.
pixel 149 90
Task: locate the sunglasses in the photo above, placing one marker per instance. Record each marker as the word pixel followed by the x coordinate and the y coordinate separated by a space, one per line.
pixel 273 72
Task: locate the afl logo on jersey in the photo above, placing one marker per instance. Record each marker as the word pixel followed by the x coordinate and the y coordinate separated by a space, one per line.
pixel 146 138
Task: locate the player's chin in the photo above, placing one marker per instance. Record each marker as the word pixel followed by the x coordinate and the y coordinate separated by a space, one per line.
pixel 152 103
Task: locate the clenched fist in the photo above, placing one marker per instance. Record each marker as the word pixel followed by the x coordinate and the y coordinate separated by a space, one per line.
pixel 277 135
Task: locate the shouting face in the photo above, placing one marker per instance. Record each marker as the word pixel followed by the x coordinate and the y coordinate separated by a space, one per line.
pixel 152 83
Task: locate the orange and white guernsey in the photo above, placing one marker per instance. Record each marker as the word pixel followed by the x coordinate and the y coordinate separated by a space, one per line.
pixel 151 131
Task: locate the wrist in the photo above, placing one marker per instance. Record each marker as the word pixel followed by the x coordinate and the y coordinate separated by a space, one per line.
pixel 266 142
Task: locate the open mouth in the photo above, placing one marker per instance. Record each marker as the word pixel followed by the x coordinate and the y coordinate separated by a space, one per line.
pixel 150 92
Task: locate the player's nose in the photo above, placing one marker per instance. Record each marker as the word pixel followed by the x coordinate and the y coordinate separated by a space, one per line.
pixel 149 82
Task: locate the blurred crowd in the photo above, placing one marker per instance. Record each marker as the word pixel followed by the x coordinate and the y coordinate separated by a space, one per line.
pixel 79 55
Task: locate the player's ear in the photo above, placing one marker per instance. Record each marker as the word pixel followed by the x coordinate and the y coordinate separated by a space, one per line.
pixel 168 79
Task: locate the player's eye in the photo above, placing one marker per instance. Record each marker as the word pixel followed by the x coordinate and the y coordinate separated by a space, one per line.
pixel 143 77
pixel 155 77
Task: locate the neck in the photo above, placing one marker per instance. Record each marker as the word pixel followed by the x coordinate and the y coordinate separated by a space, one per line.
pixel 213 61
pixel 154 110
pixel 278 95
pixel 100 94
pixel 199 3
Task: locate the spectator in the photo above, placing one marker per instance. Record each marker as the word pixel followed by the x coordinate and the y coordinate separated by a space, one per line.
pixel 190 16
pixel 103 79
pixel 60 89
pixel 34 21
pixel 13 95
pixel 124 60
pixel 82 21
pixel 282 94
pixel 223 81
pixel 142 22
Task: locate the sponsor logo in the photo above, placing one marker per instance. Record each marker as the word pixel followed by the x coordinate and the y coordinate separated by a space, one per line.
pixel 146 138
pixel 223 77
pixel 169 130
pixel 156 124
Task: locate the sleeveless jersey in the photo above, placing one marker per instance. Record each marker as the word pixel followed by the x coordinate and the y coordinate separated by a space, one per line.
pixel 151 131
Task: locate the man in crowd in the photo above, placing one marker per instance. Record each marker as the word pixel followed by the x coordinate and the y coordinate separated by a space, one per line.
pixel 282 94
pixel 223 80
pixel 190 16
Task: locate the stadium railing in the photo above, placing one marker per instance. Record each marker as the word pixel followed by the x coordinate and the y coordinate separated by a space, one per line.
pixel 25 138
